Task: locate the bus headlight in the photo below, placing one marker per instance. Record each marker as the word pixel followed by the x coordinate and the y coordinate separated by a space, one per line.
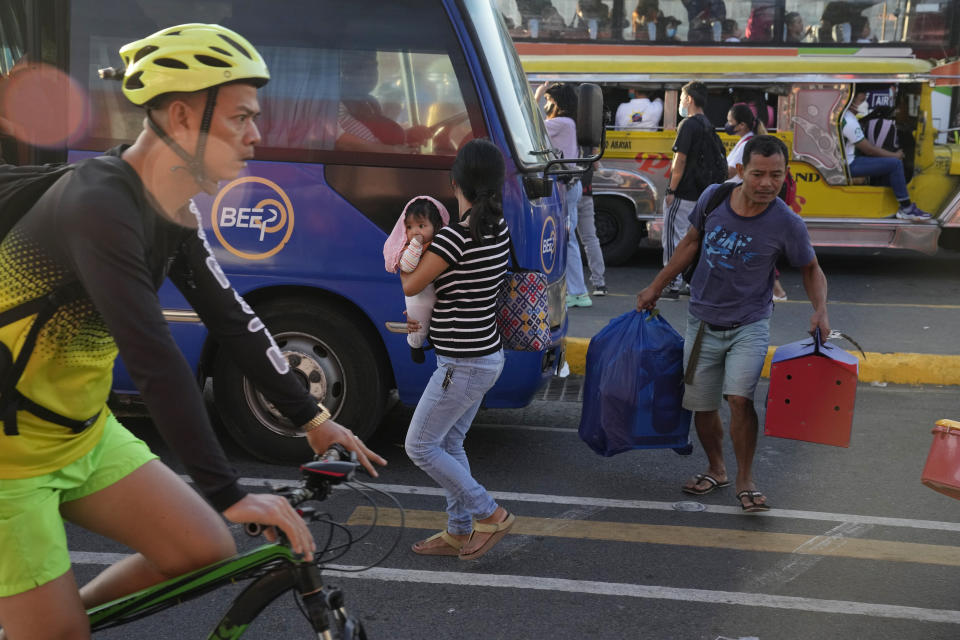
pixel 557 303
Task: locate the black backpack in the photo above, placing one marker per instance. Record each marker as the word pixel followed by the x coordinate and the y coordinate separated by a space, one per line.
pixel 20 189
pixel 880 128
pixel 711 163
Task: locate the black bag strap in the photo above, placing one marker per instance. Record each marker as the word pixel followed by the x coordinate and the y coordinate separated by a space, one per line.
pixel 44 307
pixel 513 255
pixel 19 402
pixel 716 199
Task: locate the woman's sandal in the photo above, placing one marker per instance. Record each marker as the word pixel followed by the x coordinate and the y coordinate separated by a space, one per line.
pixel 497 531
pixel 452 547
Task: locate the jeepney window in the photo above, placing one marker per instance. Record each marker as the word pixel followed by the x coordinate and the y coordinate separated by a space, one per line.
pixel 728 22
pixel 528 133
pixel 343 85
pixel 829 21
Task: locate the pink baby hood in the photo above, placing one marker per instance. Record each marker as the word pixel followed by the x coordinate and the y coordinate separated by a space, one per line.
pixel 397 240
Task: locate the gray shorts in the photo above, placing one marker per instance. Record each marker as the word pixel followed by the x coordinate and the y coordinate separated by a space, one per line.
pixel 729 364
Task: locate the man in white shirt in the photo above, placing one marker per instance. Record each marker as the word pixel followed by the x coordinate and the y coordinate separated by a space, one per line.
pixel 876 161
pixel 640 113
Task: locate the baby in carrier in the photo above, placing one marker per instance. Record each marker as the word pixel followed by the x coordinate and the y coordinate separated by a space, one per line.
pixel 422 217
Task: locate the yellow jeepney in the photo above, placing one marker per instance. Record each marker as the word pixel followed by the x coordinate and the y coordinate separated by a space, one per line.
pixel 807 95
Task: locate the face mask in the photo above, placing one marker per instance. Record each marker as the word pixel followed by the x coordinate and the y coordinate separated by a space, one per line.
pixel 631 94
pixel 863 109
pixel 683 111
pixel 671 33
pixel 730 128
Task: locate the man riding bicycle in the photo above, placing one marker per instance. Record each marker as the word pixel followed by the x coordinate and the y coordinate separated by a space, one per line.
pixel 112 229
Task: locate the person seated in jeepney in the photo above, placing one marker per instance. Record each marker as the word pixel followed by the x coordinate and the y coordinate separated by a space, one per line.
pixel 645 20
pixel 588 10
pixel 867 159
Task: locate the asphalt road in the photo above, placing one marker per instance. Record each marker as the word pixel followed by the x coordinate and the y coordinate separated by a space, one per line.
pixel 855 548
pixel 888 301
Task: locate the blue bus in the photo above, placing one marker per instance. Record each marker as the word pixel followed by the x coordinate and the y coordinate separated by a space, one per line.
pixel 300 233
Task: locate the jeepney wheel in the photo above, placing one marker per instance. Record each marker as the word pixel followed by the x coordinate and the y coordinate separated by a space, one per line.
pixel 330 355
pixel 950 239
pixel 618 229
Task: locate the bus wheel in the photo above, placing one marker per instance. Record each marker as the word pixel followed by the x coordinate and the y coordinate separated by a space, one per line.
pixel 333 359
pixel 618 230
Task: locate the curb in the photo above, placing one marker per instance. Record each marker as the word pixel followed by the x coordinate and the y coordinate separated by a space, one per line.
pixel 893 368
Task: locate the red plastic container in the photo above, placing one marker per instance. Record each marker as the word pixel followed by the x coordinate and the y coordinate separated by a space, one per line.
pixel 813 388
pixel 942 471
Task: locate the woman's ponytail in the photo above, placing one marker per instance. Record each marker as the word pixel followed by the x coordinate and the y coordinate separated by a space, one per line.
pixel 485 215
pixel 479 172
pixel 745 114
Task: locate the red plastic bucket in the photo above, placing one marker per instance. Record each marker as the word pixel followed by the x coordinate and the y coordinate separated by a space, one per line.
pixel 942 471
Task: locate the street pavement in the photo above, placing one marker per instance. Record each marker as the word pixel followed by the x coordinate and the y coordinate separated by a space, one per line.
pixel 888 301
pixel 604 548
pixel 901 308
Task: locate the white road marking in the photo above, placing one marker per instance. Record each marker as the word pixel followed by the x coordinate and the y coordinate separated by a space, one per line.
pixel 95 557
pixel 616 589
pixel 611 503
pixel 653 592
pixel 524 427
pixel 808 555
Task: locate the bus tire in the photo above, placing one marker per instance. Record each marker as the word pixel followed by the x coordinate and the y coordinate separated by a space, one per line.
pixel 618 229
pixel 330 354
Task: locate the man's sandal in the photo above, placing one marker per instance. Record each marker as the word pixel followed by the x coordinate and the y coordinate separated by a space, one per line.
pixel 754 506
pixel 452 547
pixel 712 483
pixel 497 531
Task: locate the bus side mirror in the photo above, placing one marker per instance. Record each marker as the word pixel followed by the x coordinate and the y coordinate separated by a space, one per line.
pixel 589 116
pixel 536 187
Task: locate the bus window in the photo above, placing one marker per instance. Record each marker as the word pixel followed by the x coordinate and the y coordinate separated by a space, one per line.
pixel 12 50
pixel 11 36
pixel 360 93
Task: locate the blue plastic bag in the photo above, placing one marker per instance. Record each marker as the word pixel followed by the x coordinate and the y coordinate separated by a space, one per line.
pixel 633 389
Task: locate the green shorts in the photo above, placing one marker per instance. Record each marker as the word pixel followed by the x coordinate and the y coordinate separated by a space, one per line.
pixel 33 542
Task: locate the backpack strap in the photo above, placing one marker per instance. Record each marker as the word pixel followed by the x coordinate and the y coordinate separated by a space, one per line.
pixel 12 400
pixel 716 199
pixel 19 402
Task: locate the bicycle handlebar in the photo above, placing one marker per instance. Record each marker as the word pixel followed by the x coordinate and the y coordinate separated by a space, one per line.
pixel 335 466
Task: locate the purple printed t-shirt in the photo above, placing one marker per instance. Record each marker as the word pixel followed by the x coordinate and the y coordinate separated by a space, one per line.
pixel 733 283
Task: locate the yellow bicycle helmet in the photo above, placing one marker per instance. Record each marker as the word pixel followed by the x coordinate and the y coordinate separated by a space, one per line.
pixel 187 58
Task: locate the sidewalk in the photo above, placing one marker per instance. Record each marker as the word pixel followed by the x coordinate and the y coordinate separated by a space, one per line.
pixel 916 345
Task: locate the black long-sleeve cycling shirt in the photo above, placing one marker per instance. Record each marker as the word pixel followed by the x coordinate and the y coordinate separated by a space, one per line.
pixel 99 226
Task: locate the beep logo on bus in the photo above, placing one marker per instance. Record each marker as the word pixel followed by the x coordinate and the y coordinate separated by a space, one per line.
pixel 548 245
pixel 252 218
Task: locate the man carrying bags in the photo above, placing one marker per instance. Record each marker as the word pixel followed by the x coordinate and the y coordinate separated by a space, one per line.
pixel 731 300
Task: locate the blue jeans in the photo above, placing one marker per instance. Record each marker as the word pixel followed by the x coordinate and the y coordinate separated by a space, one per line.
pixel 575 283
pixel 439 426
pixel 892 168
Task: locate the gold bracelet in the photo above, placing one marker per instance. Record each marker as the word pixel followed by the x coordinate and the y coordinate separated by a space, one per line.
pixel 317 420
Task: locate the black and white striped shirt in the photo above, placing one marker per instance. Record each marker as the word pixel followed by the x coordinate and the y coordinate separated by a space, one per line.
pixel 464 323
